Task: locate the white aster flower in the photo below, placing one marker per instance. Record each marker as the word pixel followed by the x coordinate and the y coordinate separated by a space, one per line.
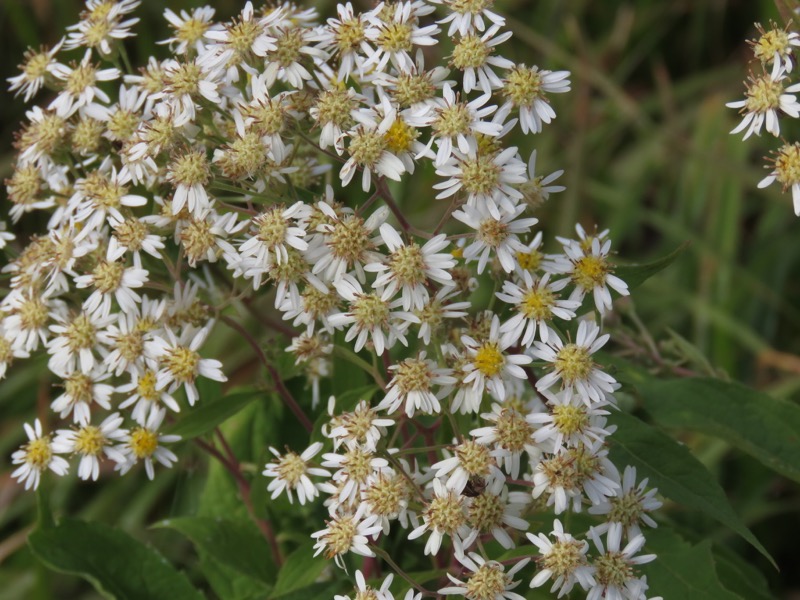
pixel 471 461
pixel 614 571
pixel 35 457
pixel 143 395
pixel 510 432
pixel 412 386
pixel 190 29
pixel 92 443
pixel 80 84
pixel 786 171
pixel 765 98
pixel 111 279
pixel 290 473
pixel 536 189
pixel 465 17
pixel 346 533
pixel 490 364
pixel 525 89
pixel 354 469
pixel 444 516
pixel 360 427
pixel 629 507
pixel 81 391
pixel 488 579
pixel 394 30
pixel 367 592
pixel 473 55
pixel 145 443
pixel 562 559
pixel 37 66
pixel 75 342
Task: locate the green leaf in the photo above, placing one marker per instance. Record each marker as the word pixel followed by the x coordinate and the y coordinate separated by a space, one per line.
pixel 675 471
pixel 205 416
pixel 311 592
pixel 300 570
pixel 737 574
pixel 233 542
pixel 682 570
pixel 118 565
pixel 229 584
pixel 766 428
pixel 636 274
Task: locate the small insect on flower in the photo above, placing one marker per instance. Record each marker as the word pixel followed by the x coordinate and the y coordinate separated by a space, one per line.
pixel 35 456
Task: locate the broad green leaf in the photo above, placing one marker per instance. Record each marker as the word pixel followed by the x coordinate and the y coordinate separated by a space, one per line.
pixel 766 428
pixel 636 274
pixel 233 542
pixel 312 592
pixel 228 584
pixel 675 471
pixel 118 565
pixel 738 575
pixel 682 570
pixel 205 416
pixel 300 570
pixel 344 402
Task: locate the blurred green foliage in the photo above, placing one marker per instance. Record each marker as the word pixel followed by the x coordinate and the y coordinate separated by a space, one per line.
pixel 643 137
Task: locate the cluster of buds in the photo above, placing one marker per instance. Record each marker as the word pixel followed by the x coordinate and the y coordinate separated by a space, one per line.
pixel 770 96
pixel 224 175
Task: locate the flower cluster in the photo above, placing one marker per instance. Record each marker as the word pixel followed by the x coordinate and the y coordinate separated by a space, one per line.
pixel 769 97
pixel 185 193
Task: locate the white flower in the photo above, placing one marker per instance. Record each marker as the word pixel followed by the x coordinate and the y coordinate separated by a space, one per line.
pixel 346 533
pixel 366 592
pixel 525 88
pixel 509 432
pixel 466 17
pixel 92 442
pixel 412 386
pixel 470 460
pixel 495 510
pixel 190 29
pixel 409 267
pixel 180 363
pixel 396 34
pixel 613 570
pixel 563 560
pixel 473 55
pixel 629 507
pixel 489 364
pixel 144 396
pixel 370 317
pixel 102 25
pixel 81 391
pixel 535 304
pixel 75 342
pixel 368 150
pixel 37 66
pixel 111 279
pixel 765 98
pixel 569 421
pixel 444 516
pixel 360 427
pixel 494 235
pixel 488 580
pixel 291 474
pixel 145 443
pixel 432 315
pixel 36 456
pixel 786 170
pixel 354 469
pixel 537 189
pixel 80 85
pixel 573 366
pixel 344 37
pixel 272 231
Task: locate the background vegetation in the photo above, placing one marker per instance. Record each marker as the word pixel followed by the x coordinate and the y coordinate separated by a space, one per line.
pixel 644 140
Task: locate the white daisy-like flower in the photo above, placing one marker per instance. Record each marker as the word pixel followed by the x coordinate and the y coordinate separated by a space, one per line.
pixel 102 25
pixel 467 17
pixel 185 85
pixel 347 243
pixel 35 457
pixel 496 511
pixel 8 352
pixel 494 236
pixel 132 236
pixel 123 117
pixel 370 317
pixel 586 262
pixel 412 386
pixel 75 342
pixel 525 89
pixel 473 55
pixel 125 338
pixel 409 267
pixel 111 279
pixel 394 30
pixel 765 98
pixel 614 571
pixel 535 304
pixel 272 231
pixel 786 171
pixel 775 46
pixel 293 47
pixel 510 432
pixel 630 507
pixel 367 592
pixel 368 150
pixel 143 395
pixel 574 473
pixel 437 309
pixel 37 66
pixel 470 461
pixel 572 363
pixel 290 473
pixel 190 29
pixel 563 559
pixel 146 443
pixel 444 516
pixel 490 364
pixel 80 85
pixel 488 579
pixel 454 123
pixel 536 189
pixel 92 443
pixel 354 469
pixel 27 315
pixel 488 179
pixel 81 391
pixel 360 427
pixel 347 533
pixel 569 422
pixel 180 363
